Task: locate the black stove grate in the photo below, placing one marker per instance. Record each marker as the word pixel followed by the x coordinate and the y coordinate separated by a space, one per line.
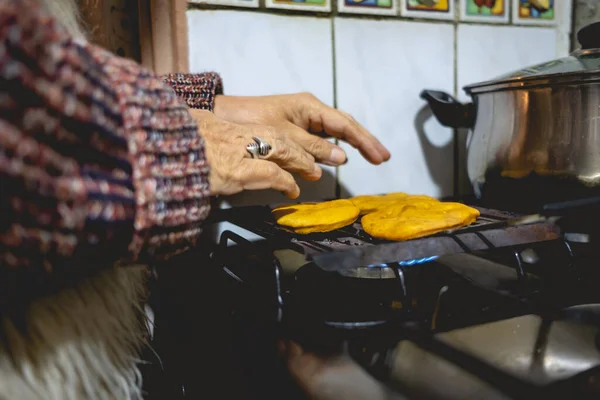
pixel 490 232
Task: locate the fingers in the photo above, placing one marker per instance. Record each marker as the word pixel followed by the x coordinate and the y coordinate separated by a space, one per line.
pixel 289 154
pixel 363 132
pixel 263 174
pixel 341 125
pixel 323 151
pixel 232 171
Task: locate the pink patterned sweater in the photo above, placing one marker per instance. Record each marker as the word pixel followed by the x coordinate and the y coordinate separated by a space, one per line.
pixel 100 159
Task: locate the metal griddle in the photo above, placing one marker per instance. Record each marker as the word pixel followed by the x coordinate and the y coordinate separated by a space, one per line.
pixel 351 247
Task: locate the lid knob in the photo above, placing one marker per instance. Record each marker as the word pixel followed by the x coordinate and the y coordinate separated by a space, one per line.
pixel 589 36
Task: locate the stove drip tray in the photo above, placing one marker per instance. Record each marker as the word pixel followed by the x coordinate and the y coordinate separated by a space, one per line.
pixel 537 351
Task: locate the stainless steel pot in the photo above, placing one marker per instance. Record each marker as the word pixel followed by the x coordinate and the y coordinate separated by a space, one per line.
pixel 540 124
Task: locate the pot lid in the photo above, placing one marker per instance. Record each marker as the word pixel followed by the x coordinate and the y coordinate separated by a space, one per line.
pixel 580 66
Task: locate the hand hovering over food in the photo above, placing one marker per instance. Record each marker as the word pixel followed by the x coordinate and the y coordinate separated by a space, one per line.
pixel 302 116
pixel 233 168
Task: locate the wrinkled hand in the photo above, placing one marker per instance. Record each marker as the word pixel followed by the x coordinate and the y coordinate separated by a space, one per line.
pixel 232 169
pixel 302 116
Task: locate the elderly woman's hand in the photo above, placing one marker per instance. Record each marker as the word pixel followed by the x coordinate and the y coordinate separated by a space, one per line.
pixel 232 169
pixel 299 115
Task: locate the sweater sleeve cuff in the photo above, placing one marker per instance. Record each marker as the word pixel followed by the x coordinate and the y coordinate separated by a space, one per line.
pixel 172 189
pixel 169 167
pixel 197 90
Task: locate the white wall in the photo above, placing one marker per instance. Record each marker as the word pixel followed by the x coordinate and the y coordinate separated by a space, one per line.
pixel 380 68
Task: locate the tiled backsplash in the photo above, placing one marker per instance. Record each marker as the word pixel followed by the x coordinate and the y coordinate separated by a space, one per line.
pixel 258 54
pixel 261 54
pixel 380 72
pixel 471 10
pixel 486 51
pixel 375 70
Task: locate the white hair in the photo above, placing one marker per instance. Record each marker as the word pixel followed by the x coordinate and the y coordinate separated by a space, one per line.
pixel 67 14
pixel 81 343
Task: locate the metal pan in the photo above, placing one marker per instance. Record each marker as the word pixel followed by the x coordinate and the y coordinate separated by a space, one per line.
pixel 538 125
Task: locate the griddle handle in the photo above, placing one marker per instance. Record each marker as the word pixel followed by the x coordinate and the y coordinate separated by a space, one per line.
pixel 449 111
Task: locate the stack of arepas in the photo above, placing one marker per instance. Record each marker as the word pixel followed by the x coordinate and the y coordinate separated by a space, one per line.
pixel 394 216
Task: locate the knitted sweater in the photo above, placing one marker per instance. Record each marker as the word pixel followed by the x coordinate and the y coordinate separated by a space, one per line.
pixel 100 160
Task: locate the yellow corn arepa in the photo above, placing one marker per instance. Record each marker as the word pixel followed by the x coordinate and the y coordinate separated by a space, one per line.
pixel 406 220
pixel 370 203
pixel 395 216
pixel 317 217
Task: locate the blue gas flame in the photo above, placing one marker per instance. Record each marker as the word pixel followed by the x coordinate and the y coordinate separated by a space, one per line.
pixel 417 261
pixel 406 263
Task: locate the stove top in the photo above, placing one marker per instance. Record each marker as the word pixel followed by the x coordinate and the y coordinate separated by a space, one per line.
pixel 490 230
pixel 487 311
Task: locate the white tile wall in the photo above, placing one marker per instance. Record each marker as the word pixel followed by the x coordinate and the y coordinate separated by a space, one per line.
pixel 259 54
pixel 382 66
pixel 485 52
pixel 262 54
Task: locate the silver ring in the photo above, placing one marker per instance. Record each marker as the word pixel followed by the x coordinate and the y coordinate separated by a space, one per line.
pixel 259 148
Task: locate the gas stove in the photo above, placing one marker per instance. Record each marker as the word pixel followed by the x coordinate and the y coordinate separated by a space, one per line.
pixel 489 311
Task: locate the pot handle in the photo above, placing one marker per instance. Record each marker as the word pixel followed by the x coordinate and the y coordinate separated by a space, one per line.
pixel 589 36
pixel 449 111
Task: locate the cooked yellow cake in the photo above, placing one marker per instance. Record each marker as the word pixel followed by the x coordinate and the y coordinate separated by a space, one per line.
pixel 317 217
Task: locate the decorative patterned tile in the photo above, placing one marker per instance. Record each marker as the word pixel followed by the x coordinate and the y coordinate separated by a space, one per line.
pixel 234 3
pixel 377 7
pixel 380 86
pixel 305 5
pixel 262 54
pixel 535 12
pixel 431 9
pixel 489 11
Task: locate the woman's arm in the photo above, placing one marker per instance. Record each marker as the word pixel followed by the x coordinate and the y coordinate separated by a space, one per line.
pixel 197 90
pixel 99 158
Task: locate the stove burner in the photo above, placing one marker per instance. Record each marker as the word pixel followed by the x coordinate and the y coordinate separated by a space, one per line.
pixel 371 272
pixel 383 271
pixel 505 311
